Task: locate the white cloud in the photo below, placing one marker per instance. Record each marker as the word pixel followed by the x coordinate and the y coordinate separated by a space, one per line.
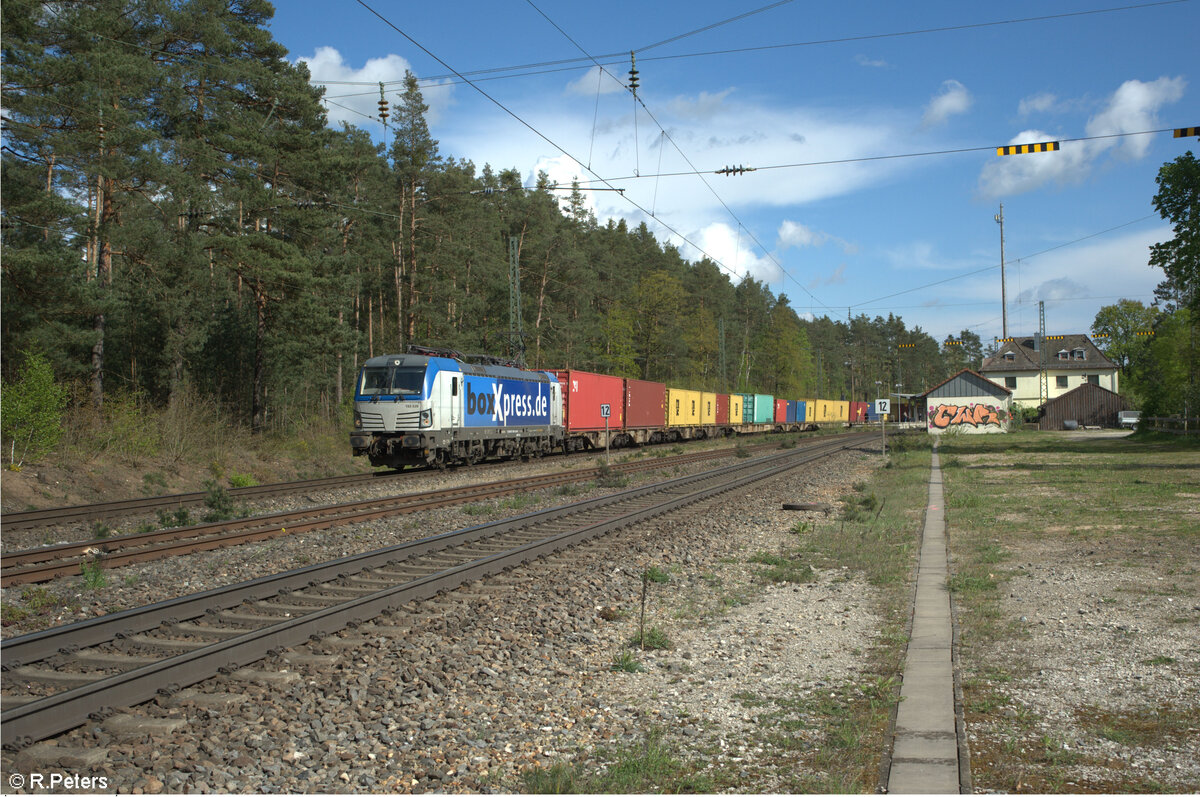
pixel 878 63
pixel 1132 108
pixel 838 277
pixel 1015 174
pixel 792 233
pixel 712 131
pixel 724 244
pixel 593 81
pixel 954 99
pixel 1038 103
pixel 359 104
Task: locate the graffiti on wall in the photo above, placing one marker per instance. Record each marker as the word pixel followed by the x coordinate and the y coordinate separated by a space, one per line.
pixel 946 416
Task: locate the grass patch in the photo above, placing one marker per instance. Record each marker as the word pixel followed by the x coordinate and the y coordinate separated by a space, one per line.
pixel 650 766
pixel 1056 498
pixel 781 569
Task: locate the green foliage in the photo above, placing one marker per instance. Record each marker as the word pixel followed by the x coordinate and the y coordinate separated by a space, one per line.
pixel 656 575
pixel 242 480
pixel 783 569
pixel 31 411
pixel 625 662
pixel 653 638
pixel 94 577
pixel 244 257
pixel 219 503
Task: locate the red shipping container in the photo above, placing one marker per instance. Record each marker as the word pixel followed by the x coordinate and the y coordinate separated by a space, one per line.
pixel 780 410
pixel 583 393
pixel 722 409
pixel 645 404
pixel 858 411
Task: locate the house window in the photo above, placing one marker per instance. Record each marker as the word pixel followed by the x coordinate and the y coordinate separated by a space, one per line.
pixel 1093 379
pixel 1062 355
pixel 1010 382
pixel 1078 354
pixel 1060 381
pixel 1010 356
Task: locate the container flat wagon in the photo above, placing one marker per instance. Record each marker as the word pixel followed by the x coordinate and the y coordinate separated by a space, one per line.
pixel 583 395
pixel 645 411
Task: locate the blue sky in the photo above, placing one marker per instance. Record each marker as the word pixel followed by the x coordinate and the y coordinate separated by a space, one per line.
pixel 795 83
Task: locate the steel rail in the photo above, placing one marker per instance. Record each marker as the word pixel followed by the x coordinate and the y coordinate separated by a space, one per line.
pixel 61 711
pixel 39 518
pixel 52 561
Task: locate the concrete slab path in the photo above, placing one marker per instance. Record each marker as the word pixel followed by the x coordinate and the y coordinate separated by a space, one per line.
pixel 925 751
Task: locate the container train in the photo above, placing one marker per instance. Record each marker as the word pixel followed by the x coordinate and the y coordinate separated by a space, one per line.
pixel 432 407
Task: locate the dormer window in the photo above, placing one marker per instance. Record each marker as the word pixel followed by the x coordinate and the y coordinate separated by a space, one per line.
pixel 1062 355
pixel 1009 356
pixel 1078 354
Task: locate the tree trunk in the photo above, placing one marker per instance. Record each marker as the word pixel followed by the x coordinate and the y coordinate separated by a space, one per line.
pixel 258 410
pixel 104 278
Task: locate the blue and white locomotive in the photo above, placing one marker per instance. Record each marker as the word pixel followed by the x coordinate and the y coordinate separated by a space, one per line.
pixel 432 408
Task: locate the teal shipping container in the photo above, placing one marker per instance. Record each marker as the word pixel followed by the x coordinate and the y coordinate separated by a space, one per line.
pixel 764 408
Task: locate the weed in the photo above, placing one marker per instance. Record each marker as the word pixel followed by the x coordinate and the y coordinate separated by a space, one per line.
pixel 625 662
pixel 560 778
pixel 154 483
pixel 568 490
pixel 783 569
pixel 607 477
pixel 101 531
pixel 653 638
pixel 1157 660
pixel 11 615
pixel 94 577
pixel 656 575
pixel 38 598
pixel 220 504
pixel 145 528
pixel 242 480
pixel 740 451
pixel 180 517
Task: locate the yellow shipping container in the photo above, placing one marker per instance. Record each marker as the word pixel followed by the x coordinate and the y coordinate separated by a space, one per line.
pixel 810 411
pixel 735 409
pixel 708 408
pixel 832 411
pixel 683 407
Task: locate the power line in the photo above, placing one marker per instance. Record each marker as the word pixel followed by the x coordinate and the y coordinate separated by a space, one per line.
pixel 872 158
pixel 566 64
pixel 541 135
pixel 996 266
pixel 682 154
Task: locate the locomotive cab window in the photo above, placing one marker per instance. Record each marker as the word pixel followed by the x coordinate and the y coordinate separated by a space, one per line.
pixel 392 381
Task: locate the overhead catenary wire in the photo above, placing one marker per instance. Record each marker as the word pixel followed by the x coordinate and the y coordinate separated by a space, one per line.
pixel 540 134
pixel 614 59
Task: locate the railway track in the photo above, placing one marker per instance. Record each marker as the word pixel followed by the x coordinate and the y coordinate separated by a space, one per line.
pixel 56 679
pixel 54 516
pixel 53 561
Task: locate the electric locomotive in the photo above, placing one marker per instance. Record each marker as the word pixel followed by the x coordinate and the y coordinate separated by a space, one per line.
pixel 431 407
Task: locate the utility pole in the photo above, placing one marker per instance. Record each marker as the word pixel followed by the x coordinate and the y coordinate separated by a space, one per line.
pixel 1003 289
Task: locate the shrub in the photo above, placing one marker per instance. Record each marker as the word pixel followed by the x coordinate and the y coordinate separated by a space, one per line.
pixel 31 411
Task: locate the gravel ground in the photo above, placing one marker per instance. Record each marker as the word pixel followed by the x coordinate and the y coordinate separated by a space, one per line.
pixel 1113 698
pixel 464 693
pixel 71 600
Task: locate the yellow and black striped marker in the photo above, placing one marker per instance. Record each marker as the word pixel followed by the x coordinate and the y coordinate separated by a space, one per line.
pixel 1025 149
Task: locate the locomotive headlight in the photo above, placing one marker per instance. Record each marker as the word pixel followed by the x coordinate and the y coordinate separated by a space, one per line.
pixel 357 420
pixel 426 419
